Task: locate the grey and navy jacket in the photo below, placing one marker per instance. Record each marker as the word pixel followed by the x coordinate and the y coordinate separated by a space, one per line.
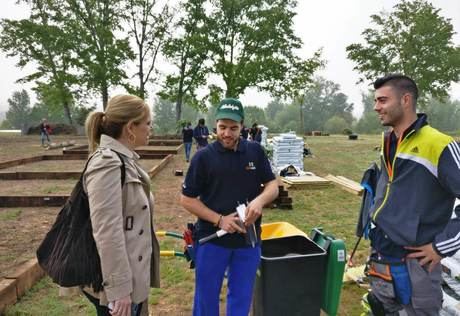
pixel 414 199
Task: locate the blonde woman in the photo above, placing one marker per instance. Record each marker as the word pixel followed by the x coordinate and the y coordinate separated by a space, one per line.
pixel 121 213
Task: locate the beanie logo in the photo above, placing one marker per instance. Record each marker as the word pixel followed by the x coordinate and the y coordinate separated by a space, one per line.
pixel 229 106
pixel 415 150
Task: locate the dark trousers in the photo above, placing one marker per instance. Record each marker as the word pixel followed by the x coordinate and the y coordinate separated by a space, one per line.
pixel 102 310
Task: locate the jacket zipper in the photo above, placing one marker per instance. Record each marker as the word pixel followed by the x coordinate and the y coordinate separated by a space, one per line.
pixel 390 176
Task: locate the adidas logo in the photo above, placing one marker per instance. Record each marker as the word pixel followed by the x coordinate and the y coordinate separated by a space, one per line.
pixel 414 150
pixel 229 106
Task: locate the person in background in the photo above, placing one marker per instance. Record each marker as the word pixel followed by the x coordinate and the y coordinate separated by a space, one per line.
pixel 45 129
pixel 121 213
pixel 225 173
pixel 187 138
pixel 244 133
pixel 201 133
pixel 256 133
pixel 412 228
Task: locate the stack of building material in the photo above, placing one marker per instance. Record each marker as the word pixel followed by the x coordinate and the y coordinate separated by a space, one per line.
pixel 287 150
pixel 264 131
pixel 283 201
pixel 308 181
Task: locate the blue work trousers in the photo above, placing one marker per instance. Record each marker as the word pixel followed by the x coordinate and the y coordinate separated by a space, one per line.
pixel 211 263
pixel 188 149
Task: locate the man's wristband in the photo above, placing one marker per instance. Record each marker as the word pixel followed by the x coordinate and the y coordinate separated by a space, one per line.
pixel 219 221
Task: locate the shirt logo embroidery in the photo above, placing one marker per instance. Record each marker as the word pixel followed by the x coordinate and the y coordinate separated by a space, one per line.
pixel 414 150
pixel 250 166
pixel 230 106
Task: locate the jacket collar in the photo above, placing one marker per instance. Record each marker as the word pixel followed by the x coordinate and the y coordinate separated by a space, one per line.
pixel 416 126
pixel 111 143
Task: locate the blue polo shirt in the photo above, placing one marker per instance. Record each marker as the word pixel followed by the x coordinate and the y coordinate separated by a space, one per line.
pixel 222 179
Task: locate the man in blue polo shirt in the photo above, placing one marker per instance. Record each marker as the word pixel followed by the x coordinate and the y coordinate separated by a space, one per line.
pixel 222 175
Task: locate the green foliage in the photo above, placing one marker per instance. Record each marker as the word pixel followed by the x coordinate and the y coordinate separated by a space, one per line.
pixel 81 113
pixel 273 108
pixel 413 39
pixel 323 101
pixel 164 117
pixel 42 39
pixel 19 110
pixel 336 125
pixel 369 122
pixel 148 25
pixel 254 114
pixel 187 50
pixel 444 115
pixel 252 44
pixel 100 54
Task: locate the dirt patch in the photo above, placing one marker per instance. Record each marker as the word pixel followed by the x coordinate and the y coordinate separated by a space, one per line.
pixel 16 146
pixel 36 187
pixel 67 166
pixel 21 231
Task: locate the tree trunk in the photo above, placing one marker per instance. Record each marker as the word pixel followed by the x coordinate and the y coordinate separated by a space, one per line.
pixel 302 130
pixel 105 95
pixel 141 75
pixel 178 107
pixel 67 112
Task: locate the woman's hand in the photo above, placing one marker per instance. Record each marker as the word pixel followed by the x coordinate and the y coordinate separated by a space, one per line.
pixel 122 307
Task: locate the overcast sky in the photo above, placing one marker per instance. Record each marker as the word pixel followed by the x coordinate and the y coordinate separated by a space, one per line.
pixel 328 24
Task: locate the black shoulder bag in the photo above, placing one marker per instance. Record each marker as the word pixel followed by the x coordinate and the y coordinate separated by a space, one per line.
pixel 68 254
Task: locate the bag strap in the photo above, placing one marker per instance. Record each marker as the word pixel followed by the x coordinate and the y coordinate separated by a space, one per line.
pixel 122 167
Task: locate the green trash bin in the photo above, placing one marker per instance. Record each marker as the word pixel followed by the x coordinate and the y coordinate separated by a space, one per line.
pixel 335 266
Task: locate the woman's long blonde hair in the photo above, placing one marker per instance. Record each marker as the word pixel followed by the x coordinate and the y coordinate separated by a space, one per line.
pixel 120 110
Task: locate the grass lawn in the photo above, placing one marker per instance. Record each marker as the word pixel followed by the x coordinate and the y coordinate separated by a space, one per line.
pixel 333 209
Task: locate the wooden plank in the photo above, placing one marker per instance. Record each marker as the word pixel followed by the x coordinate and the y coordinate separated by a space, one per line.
pixel 346 184
pixel 26 275
pixel 29 201
pixel 8 294
pixel 153 172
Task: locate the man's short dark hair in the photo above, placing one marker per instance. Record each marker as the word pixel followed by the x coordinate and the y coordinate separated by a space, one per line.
pixel 201 121
pixel 401 83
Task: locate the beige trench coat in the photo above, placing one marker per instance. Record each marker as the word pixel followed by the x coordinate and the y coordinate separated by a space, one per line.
pixel 122 223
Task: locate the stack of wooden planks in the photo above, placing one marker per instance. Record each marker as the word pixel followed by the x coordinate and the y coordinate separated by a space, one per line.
pixel 305 182
pixel 346 184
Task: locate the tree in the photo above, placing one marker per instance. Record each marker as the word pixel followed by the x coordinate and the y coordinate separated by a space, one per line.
pixel 101 55
pixel 414 40
pixel 444 115
pixel 164 117
pixel 287 119
pixel 19 110
pixel 323 101
pixel 254 114
pixel 273 108
pixel 336 125
pixel 148 26
pixel 369 122
pixel 188 52
pixel 42 39
pixel 252 43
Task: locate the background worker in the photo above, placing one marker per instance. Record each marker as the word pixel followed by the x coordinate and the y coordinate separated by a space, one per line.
pixel 411 226
pixel 45 129
pixel 201 133
pixel 187 138
pixel 224 174
pixel 256 133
